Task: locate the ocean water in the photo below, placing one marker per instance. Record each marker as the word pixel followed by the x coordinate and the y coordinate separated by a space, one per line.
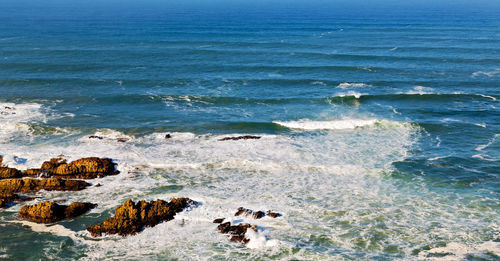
pixel 380 128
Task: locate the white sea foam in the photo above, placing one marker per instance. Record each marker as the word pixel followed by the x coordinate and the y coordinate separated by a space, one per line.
pixel 458 251
pixel 14 119
pixel 318 83
pixel 55 229
pixel 346 85
pixel 327 125
pixel 357 95
pixel 421 90
pixel 487 96
pixel 107 135
pixel 488 73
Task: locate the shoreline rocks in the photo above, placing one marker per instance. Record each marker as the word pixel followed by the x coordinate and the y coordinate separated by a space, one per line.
pixel 130 218
pixel 34 185
pixel 49 212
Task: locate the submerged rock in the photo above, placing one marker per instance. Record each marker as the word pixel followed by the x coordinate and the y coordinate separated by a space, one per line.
pixel 237 232
pixel 33 185
pixel 255 214
pixel 85 168
pixel 6 198
pixel 48 212
pixel 131 218
pixel 245 137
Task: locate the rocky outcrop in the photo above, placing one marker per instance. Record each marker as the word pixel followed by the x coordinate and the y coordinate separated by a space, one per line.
pixel 237 232
pixel 10 173
pixel 49 212
pixel 246 137
pixel 256 214
pixel 85 168
pixel 131 218
pixel 33 185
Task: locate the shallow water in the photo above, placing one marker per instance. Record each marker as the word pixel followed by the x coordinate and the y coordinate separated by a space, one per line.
pixel 380 134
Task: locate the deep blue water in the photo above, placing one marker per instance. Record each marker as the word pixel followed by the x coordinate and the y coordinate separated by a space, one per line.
pixel 381 129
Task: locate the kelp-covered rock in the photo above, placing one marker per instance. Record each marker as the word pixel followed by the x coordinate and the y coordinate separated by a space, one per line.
pixel 131 218
pixel 48 212
pixel 33 185
pixel 256 214
pixel 245 137
pixel 237 232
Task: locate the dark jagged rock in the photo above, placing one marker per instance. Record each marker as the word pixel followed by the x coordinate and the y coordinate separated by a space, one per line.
pixel 273 214
pixel 237 232
pixel 131 218
pixel 33 185
pixel 49 212
pixel 255 214
pixel 95 137
pixel 85 168
pixel 218 220
pixel 122 140
pixel 246 137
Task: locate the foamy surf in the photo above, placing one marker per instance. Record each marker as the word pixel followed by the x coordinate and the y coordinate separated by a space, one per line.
pixel 14 119
pixel 327 125
pixel 457 251
pixel 346 85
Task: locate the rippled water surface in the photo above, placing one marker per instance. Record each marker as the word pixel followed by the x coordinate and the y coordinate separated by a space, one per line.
pixel 380 131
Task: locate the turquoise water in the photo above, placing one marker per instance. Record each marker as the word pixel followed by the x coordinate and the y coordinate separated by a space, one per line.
pixel 380 129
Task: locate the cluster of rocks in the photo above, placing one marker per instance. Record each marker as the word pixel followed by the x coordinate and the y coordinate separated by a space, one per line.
pixel 238 231
pixel 130 218
pixel 57 174
pixel 54 175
